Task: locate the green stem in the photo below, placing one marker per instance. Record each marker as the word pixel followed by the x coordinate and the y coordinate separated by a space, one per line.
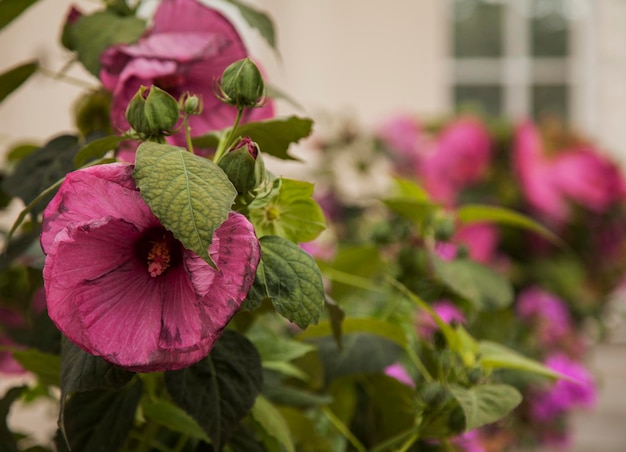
pixel 187 133
pixel 341 427
pixel 66 78
pixel 226 142
pixel 419 364
pixel 411 434
pixel 147 438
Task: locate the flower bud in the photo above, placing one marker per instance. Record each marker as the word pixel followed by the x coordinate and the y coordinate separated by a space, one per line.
pixel 151 112
pixel 92 112
pixel 242 84
pixel 244 165
pixel 190 104
pixel 443 225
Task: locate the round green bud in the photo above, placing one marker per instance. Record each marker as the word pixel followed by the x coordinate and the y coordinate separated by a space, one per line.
pixel 243 165
pixel 242 84
pixel 152 112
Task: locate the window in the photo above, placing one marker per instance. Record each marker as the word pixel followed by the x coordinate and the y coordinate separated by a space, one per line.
pixel 520 57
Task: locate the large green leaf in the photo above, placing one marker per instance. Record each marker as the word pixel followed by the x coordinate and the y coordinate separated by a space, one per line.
pixel 219 390
pixel 98 421
pixel 258 20
pixel 10 9
pixel 274 136
pixel 81 371
pixel 361 353
pixel 498 356
pixel 370 325
pixel 485 404
pixel 477 283
pixel 167 414
pixel 91 35
pixel 190 195
pixel 41 169
pixel 290 279
pixel 272 422
pixel 292 213
pixel 46 366
pixel 474 213
pixel 13 78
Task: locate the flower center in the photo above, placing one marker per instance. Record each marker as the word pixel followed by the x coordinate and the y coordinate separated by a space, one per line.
pixel 158 250
pixel 158 258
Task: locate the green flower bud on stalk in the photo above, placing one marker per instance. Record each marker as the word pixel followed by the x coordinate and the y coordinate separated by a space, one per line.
pixel 190 104
pixel 92 112
pixel 242 84
pixel 244 165
pixel 152 112
pixel 443 225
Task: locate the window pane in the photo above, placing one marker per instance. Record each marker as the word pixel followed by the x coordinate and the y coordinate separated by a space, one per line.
pixel 549 29
pixel 550 100
pixel 477 28
pixel 487 98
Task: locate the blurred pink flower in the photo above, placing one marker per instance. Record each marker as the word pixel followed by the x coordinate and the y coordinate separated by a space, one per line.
pixel 586 177
pixel 549 313
pixel 119 285
pixel 460 157
pixel 404 139
pixel 564 395
pixel 187 49
pixel 398 372
pixel 469 442
pixel 446 310
pixel 481 240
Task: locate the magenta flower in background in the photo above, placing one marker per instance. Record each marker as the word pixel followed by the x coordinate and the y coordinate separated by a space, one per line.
pixel 469 442
pixel 446 310
pixel 564 395
pixel 549 313
pixel 398 372
pixel 187 49
pixel 459 158
pixel 403 137
pixel 586 177
pixel 120 286
pixel 536 174
pixel 481 240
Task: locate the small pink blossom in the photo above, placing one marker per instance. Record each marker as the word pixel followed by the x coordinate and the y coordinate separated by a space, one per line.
pixel 564 395
pixel 460 157
pixel 119 285
pixel 446 310
pixel 398 372
pixel 404 139
pixel 549 313
pixel 187 49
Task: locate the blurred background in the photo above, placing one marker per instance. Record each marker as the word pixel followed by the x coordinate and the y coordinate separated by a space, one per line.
pixel 370 59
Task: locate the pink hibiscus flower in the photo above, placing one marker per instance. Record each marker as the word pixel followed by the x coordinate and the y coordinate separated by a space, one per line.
pixel 459 158
pixel 187 49
pixel 120 286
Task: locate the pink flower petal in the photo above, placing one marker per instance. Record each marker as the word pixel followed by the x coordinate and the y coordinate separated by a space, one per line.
pixel 191 16
pixel 87 195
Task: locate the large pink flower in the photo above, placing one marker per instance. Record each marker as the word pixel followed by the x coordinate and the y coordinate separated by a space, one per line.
pixel 187 49
pixel 535 173
pixel 459 158
pixel 120 286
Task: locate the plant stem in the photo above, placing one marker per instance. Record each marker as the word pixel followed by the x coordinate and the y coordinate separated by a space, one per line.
pixel 187 133
pixel 343 429
pixel 226 142
pixel 66 78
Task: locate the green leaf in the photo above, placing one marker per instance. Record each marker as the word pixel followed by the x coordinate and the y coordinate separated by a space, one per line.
pixel 482 286
pixel 13 78
pixel 272 347
pixel 361 353
pixel 164 413
pixel 10 9
pixel 292 213
pixel 497 356
pixel 336 317
pixel 474 213
pixel 96 149
pixel 98 420
pixel 81 371
pixel 304 432
pixel 370 325
pixel 219 390
pixel 272 421
pixel 91 35
pixel 46 366
pixel 486 404
pixel 190 195
pixel 8 441
pixel 274 136
pixel 256 19
pixel 41 169
pixel 290 278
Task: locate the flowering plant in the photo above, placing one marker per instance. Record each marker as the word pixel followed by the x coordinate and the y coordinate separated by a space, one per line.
pixel 500 227
pixel 156 284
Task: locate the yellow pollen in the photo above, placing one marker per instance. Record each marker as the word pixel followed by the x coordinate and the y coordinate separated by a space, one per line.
pixel 158 259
